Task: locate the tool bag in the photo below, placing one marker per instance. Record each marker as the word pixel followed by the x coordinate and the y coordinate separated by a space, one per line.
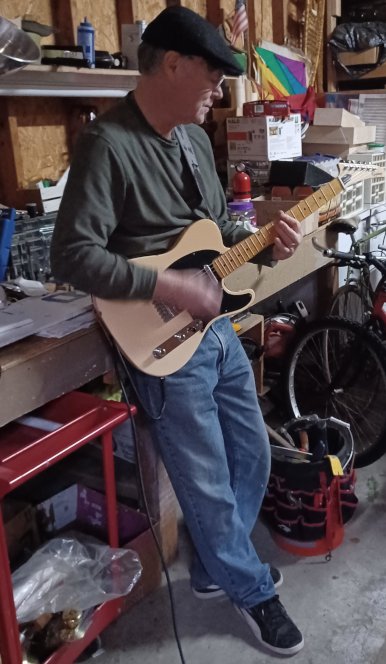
pixel 310 493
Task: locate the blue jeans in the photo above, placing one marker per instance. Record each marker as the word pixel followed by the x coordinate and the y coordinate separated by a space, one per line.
pixel 206 422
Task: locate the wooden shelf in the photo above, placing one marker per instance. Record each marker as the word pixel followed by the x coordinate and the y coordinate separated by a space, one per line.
pixel 52 81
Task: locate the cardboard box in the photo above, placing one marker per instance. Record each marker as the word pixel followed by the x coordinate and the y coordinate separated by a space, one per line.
pixel 355 58
pixel 264 137
pixel 220 116
pixel 150 579
pixel 20 526
pixel 85 509
pixel 336 117
pixel 346 136
pixel 334 149
pixel 267 209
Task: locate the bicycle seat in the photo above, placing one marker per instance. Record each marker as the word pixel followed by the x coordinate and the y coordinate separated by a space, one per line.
pixel 347 225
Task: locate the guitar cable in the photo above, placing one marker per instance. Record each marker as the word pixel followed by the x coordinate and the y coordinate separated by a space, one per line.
pixel 120 365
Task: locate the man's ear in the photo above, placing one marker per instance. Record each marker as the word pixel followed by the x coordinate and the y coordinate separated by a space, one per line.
pixel 171 62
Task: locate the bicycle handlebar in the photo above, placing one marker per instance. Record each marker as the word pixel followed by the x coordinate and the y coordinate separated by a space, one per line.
pixel 350 258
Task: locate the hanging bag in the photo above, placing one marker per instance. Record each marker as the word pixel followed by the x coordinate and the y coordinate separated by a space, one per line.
pixel 310 493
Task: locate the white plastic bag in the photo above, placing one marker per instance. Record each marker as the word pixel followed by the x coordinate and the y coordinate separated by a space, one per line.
pixel 72 571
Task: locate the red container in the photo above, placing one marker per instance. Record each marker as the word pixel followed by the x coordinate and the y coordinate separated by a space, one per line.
pixel 277 108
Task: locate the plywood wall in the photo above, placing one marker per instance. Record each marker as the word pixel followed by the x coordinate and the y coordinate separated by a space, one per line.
pixel 37 134
pixel 105 14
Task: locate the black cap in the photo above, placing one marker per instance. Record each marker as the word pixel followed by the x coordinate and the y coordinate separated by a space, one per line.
pixel 182 30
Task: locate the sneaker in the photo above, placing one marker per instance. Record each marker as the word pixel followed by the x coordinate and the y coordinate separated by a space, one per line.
pixel 273 627
pixel 213 591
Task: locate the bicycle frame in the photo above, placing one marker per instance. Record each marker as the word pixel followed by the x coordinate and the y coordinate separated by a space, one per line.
pixel 361 246
pixel 363 262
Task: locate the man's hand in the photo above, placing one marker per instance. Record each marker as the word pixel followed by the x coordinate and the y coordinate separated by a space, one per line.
pixel 288 237
pixel 193 290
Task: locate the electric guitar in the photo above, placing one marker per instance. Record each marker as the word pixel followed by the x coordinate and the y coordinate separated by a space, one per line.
pixel 157 338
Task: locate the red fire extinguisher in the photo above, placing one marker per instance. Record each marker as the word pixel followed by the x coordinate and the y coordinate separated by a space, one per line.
pixel 241 184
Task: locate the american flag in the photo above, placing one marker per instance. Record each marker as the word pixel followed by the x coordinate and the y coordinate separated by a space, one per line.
pixel 240 21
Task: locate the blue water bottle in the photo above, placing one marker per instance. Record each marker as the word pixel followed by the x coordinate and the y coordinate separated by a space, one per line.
pixel 86 39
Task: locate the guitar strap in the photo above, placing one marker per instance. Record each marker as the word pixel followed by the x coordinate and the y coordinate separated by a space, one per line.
pixel 190 156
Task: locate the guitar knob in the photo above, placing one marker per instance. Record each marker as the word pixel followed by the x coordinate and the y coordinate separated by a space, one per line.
pixel 159 352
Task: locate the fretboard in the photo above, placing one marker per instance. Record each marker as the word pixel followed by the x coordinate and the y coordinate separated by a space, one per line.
pixel 243 251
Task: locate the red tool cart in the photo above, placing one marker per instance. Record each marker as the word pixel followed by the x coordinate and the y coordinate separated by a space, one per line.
pixel 25 450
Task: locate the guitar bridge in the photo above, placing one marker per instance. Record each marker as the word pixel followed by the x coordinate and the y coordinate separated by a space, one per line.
pixel 178 338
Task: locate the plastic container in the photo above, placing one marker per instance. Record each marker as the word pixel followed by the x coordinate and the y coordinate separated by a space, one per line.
pixel 86 39
pixel 242 211
pixel 380 147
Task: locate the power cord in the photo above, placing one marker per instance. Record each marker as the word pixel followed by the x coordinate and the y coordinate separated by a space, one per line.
pixel 120 365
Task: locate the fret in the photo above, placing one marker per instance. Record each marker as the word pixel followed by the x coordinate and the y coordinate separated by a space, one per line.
pixel 241 248
pixel 321 198
pixel 308 205
pixel 228 260
pixel 301 212
pixel 254 245
pixel 257 237
pixel 236 256
pixel 293 213
pixel 219 267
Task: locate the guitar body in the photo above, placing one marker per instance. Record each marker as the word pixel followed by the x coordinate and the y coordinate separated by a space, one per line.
pixel 140 327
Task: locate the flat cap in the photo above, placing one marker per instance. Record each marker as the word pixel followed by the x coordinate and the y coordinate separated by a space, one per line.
pixel 183 30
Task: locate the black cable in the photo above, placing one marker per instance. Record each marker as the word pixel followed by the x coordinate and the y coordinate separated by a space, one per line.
pixel 119 364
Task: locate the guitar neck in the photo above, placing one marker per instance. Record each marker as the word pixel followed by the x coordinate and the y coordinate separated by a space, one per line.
pixel 243 251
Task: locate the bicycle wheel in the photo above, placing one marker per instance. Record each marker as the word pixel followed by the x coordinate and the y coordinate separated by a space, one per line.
pixel 352 302
pixel 337 368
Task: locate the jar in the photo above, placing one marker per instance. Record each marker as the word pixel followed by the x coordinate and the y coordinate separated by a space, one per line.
pixel 242 211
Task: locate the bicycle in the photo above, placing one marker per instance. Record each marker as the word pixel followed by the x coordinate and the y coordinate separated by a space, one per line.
pixel 358 299
pixel 337 368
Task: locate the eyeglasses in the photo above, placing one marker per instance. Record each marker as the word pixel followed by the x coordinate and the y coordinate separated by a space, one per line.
pixel 218 81
pixel 215 75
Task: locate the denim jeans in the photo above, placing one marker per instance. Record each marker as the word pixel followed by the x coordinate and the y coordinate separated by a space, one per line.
pixel 206 421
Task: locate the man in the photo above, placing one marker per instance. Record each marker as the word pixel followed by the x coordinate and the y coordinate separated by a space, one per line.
pixel 130 192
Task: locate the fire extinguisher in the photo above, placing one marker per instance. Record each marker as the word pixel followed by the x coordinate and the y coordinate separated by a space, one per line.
pixel 241 184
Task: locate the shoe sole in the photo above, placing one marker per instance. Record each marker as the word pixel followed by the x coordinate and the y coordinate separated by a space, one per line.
pixel 208 594
pixel 253 626
pixel 213 594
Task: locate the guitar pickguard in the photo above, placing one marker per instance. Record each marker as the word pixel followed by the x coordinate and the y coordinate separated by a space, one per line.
pixel 197 260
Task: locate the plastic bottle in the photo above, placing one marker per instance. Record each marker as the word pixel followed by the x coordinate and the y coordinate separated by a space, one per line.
pixel 86 39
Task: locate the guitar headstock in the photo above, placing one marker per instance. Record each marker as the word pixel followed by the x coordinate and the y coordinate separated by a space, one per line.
pixel 351 172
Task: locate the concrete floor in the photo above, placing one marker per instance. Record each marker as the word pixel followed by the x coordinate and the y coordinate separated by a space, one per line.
pixel 339 605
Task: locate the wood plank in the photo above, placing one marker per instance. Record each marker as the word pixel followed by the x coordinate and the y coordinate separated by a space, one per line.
pixel 279 25
pixel 37 370
pixel 124 11
pixel 214 13
pixel 63 20
pixel 252 327
pixel 330 24
pixel 10 155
